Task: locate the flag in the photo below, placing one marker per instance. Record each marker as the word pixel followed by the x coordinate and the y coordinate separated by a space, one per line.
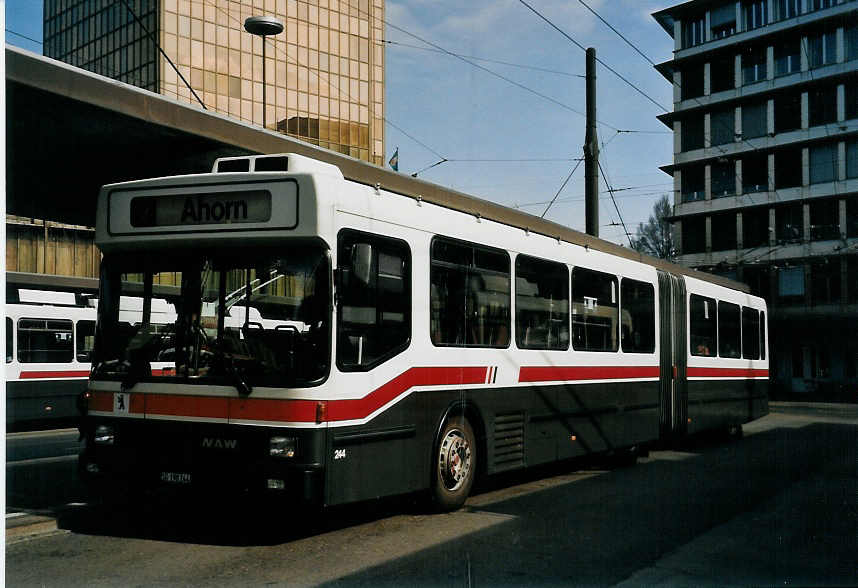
pixel 394 161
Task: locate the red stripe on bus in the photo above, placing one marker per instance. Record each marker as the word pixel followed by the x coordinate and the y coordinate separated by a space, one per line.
pixel 707 372
pixel 571 373
pixel 303 411
pixel 54 374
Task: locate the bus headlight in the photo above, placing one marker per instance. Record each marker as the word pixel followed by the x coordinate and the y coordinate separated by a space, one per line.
pixel 104 435
pixel 283 446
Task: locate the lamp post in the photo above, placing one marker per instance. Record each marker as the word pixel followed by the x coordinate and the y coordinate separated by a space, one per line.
pixel 263 26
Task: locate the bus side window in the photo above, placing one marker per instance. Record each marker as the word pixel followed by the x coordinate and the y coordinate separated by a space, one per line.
pixel 541 304
pixel 729 330
pixel 637 300
pixel 45 341
pixel 84 337
pixel 703 324
pixel 595 311
pixel 750 333
pixel 469 295
pixel 10 353
pixel 373 299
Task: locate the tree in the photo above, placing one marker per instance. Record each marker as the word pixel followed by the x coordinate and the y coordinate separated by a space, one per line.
pixel 655 237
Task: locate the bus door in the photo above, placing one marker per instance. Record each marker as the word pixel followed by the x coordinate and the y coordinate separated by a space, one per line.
pixel 673 361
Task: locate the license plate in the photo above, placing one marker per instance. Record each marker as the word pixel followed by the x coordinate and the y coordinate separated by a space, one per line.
pixel 176 477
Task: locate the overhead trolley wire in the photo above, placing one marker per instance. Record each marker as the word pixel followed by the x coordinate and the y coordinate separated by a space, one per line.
pixel 699 103
pixel 566 181
pixel 494 73
pixel 605 65
pixel 519 65
pixel 619 34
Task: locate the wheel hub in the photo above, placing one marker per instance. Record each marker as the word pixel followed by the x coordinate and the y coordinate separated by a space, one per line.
pixel 454 459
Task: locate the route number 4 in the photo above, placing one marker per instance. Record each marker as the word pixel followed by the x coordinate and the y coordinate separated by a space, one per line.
pixel 339 454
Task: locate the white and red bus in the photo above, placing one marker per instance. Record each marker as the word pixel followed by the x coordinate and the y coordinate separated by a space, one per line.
pixel 335 341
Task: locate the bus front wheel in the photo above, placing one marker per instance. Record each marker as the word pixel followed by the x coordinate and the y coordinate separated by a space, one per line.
pixel 455 464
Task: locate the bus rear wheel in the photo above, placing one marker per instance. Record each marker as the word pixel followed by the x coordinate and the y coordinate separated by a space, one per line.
pixel 455 464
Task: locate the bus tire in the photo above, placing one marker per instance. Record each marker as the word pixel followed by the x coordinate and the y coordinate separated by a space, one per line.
pixel 455 464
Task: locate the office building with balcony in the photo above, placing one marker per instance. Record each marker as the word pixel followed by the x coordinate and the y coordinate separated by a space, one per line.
pixel 324 73
pixel 765 171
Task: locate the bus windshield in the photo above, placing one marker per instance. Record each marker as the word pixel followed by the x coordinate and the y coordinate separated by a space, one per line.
pixel 238 317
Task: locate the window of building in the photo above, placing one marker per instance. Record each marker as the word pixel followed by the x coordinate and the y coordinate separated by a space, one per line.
pixel 703 326
pixel 694 234
pixel 823 163
pixel 722 73
pixel 755 173
pixel 850 34
pixel 791 283
pixel 470 295
pixel 784 9
pixel 851 96
pixel 754 120
pixel 797 361
pixel 750 333
pixel 729 330
pixel 825 281
pixel 787 57
pixel 692 133
pixel 757 279
pixel 693 183
pixel 374 299
pixel 788 168
pixel 9 342
pixel 852 278
pixel 824 219
pixel 541 304
pixel 852 217
pixel 755 227
pixel 852 158
pixel 722 125
pixel 822 48
pixel 787 112
pixel 84 340
pixel 44 341
pixel 789 223
pixel 595 311
pixel 693 30
pixel 723 175
pixel 692 81
pixel 822 105
pixel 755 13
pixel 637 300
pixel 724 231
pixel 722 20
pixel 753 65
pixel 820 4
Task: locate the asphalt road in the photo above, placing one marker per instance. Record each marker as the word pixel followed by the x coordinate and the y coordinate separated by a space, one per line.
pixel 777 507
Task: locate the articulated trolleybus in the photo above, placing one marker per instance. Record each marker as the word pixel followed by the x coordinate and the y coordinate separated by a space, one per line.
pixel 334 341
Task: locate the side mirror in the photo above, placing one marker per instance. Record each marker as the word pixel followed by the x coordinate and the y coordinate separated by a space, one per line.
pixel 362 262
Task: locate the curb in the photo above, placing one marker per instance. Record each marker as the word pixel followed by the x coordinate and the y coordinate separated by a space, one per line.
pixel 22 526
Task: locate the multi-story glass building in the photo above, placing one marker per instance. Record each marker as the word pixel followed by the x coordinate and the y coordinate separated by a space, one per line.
pixel 765 170
pixel 324 73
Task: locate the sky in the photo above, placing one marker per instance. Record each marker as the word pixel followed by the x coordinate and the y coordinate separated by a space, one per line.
pixel 440 107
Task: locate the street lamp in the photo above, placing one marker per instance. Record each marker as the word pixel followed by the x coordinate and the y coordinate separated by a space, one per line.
pixel 263 26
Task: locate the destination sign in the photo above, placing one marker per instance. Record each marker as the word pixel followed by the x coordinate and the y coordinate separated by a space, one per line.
pixel 216 208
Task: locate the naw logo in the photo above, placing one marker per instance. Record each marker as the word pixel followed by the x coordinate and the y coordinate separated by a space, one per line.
pixel 216 443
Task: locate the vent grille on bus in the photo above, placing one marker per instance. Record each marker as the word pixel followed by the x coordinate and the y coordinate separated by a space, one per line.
pixel 509 440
